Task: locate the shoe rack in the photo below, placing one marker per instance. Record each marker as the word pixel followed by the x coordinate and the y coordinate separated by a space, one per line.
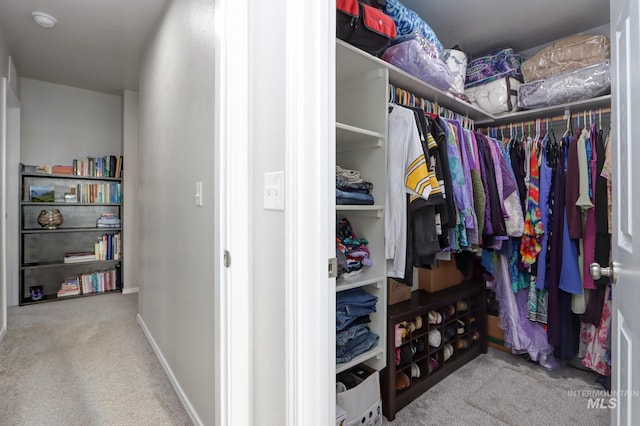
pixel 429 337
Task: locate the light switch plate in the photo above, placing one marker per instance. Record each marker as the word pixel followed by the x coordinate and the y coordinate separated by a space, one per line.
pixel 274 191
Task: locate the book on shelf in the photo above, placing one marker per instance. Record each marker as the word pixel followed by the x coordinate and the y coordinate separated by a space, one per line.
pixel 62 170
pixel 80 256
pixel 69 287
pixel 108 220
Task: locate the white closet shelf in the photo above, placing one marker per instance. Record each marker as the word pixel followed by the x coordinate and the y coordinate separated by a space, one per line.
pixel 350 138
pixel 376 352
pixel 372 210
pixel 531 114
pixel 343 284
pixel 351 66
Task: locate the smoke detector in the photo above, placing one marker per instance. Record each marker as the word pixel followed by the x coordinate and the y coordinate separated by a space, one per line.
pixel 44 20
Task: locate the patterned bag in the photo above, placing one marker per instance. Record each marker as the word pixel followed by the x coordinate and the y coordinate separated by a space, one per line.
pixel 492 66
pixel 408 22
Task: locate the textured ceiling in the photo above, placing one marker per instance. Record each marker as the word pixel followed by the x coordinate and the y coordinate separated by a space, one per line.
pixel 96 44
pixel 479 26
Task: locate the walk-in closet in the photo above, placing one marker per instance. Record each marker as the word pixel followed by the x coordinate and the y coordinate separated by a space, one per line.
pixel 475 217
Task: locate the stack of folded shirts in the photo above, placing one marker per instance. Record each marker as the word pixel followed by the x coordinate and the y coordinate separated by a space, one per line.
pixel 351 188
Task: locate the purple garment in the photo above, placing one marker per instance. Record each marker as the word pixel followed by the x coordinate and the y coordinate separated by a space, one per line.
pixel 574 213
pixel 495 156
pixel 467 197
pixel 520 334
pixel 546 175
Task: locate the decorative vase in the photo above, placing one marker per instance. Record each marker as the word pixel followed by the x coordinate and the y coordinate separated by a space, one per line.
pixel 50 218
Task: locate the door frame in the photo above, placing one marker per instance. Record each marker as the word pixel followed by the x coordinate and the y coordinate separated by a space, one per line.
pixel 310 133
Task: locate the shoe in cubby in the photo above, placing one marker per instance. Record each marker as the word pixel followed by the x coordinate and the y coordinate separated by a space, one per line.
pixel 402 381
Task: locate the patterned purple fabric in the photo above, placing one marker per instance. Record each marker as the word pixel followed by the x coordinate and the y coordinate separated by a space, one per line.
pixel 492 66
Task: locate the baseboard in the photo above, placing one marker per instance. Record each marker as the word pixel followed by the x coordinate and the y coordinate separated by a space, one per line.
pixel 167 369
pixel 129 290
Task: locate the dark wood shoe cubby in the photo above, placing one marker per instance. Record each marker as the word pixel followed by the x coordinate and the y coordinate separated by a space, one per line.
pixel 472 324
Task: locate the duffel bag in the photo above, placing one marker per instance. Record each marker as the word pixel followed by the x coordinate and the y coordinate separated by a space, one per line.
pixel 364 26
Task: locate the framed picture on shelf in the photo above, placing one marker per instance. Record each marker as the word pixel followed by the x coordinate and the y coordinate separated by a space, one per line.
pixel 41 194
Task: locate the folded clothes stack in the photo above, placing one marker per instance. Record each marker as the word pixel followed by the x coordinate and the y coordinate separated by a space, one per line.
pixel 351 188
pixel 353 336
pixel 351 252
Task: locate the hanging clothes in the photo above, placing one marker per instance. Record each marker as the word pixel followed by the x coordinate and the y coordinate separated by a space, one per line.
pixel 533 227
pixel 596 338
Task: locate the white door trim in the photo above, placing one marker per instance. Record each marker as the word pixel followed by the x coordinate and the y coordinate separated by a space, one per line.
pixel 3 206
pixel 233 336
pixel 309 144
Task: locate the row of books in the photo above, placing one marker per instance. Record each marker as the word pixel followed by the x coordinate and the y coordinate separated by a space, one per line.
pixel 108 247
pixel 110 193
pixel 96 282
pixel 107 166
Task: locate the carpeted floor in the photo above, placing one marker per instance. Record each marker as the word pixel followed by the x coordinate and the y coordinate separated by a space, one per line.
pixel 503 389
pixel 83 362
pixel 86 362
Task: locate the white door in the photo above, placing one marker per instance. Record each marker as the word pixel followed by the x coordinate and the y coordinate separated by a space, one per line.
pixel 625 43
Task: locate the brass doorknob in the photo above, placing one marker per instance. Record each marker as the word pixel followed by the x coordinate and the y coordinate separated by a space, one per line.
pixel 597 272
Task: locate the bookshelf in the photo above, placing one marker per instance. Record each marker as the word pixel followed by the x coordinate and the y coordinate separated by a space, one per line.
pixel 70 230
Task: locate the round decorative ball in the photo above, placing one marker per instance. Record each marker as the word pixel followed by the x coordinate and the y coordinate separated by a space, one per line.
pixel 50 218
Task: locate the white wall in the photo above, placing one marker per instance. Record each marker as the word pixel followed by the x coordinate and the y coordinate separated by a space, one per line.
pixel 177 238
pixel 131 209
pixel 60 123
pixel 268 59
pixel 4 56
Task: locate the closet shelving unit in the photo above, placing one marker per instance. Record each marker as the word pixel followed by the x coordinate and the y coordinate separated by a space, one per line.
pixel 467 321
pixel 362 86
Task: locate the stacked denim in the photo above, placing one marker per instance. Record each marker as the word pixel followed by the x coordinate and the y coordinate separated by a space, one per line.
pixel 353 336
pixel 351 188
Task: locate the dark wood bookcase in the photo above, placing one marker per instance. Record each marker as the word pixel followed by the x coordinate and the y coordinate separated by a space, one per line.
pixel 465 322
pixel 42 251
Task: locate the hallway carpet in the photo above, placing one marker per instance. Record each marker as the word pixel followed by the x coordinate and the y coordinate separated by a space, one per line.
pixel 83 362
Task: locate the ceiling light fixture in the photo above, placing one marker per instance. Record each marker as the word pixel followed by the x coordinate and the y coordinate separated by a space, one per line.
pixel 44 20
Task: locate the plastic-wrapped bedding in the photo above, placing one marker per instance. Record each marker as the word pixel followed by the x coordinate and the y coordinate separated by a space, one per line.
pixel 569 53
pixel 583 83
pixel 495 97
pixel 456 61
pixel 421 59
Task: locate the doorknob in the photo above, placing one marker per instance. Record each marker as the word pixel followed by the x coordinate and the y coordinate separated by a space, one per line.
pixel 598 272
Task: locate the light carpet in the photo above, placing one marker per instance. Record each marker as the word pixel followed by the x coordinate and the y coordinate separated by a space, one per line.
pixel 83 362
pixel 499 389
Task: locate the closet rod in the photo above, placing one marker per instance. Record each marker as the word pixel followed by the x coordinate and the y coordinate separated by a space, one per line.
pixel 400 96
pixel 555 119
